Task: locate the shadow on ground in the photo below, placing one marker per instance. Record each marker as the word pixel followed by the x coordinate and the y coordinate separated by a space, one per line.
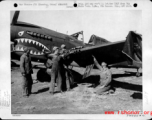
pixel 41 90
pixel 93 79
pixel 127 74
pixel 126 85
pixel 136 95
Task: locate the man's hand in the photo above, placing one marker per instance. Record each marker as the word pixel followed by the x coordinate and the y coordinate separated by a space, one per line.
pixel 94 58
pixel 62 55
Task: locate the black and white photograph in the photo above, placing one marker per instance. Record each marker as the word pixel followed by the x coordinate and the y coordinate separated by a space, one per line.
pixel 76 62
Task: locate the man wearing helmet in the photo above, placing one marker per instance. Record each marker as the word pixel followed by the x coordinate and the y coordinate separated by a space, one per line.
pixel 105 78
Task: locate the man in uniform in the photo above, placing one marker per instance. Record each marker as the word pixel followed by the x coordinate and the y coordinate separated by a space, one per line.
pixel 105 79
pixel 63 49
pixel 26 71
pixel 65 72
pixel 54 66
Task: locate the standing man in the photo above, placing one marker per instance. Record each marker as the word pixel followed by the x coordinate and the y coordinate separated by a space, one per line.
pixel 26 71
pixel 105 78
pixel 54 67
pixel 65 71
pixel 63 49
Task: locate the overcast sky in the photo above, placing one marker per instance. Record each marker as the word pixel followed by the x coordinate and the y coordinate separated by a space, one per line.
pixel 111 25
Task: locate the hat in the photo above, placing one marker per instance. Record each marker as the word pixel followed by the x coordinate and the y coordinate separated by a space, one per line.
pixel 55 48
pixel 63 46
pixel 103 64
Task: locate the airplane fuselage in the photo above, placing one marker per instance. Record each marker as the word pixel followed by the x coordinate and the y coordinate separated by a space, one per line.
pixel 37 38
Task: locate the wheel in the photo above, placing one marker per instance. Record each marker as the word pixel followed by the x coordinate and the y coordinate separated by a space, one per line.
pixel 42 75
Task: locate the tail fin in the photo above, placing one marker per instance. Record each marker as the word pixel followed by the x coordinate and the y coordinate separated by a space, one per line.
pixel 15 17
pixel 133 47
pixel 78 36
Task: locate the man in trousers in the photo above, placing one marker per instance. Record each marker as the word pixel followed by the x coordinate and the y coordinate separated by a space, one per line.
pixel 105 85
pixel 65 71
pixel 54 67
pixel 26 71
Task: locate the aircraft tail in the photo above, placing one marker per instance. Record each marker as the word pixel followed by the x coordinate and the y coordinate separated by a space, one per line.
pixel 133 47
pixel 78 36
pixel 15 17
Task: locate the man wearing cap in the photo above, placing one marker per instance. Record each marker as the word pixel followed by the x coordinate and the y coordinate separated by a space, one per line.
pixel 26 71
pixel 54 67
pixel 63 49
pixel 105 78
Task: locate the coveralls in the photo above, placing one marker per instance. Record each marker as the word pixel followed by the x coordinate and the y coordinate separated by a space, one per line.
pixel 26 69
pixel 65 71
pixel 55 73
pixel 105 79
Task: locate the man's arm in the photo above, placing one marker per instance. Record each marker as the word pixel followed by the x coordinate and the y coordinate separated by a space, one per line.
pixel 51 56
pixel 97 64
pixel 22 67
pixel 46 53
pixel 31 66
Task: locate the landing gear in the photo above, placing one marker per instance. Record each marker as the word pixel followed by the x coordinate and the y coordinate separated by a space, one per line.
pixel 137 74
pixel 71 78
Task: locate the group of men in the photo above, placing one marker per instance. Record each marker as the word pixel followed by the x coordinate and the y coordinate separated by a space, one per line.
pixel 57 69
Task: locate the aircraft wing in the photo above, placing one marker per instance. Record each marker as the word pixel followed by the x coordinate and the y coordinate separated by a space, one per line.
pixel 123 53
pixel 109 53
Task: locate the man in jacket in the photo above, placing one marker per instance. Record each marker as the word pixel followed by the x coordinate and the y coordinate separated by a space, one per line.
pixel 105 79
pixel 63 49
pixel 65 71
pixel 26 71
pixel 55 67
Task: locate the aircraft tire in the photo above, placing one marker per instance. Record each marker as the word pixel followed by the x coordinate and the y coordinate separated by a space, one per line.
pixel 42 75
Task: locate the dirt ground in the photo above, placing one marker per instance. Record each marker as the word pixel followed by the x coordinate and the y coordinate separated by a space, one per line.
pixel 81 99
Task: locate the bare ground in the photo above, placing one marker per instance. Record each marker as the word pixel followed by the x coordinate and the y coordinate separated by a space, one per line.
pixel 81 99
